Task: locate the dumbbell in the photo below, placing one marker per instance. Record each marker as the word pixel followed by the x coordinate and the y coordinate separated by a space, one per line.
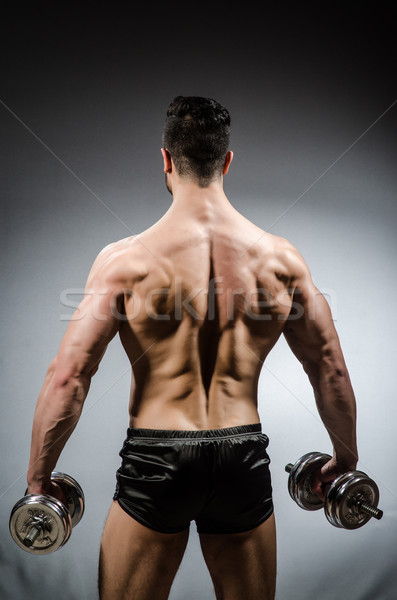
pixel 40 523
pixel 350 501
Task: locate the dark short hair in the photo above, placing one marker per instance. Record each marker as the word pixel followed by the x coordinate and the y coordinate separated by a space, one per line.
pixel 196 134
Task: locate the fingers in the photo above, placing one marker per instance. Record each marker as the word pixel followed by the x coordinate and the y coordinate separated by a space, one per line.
pixel 51 489
pixel 58 493
pixel 317 489
pixel 323 478
pixel 319 485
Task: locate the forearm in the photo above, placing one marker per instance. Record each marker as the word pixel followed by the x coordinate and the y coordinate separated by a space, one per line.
pixel 337 409
pixel 58 410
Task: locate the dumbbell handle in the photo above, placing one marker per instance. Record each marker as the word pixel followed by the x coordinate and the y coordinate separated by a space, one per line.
pixel 31 537
pixel 365 507
pixel 370 510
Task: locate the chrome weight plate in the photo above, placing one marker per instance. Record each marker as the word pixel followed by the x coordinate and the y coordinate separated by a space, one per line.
pixel 345 497
pixel 299 480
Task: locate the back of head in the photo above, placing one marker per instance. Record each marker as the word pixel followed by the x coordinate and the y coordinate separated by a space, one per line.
pixel 196 134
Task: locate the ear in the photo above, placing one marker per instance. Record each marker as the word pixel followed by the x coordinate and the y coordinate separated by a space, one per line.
pixel 228 160
pixel 167 160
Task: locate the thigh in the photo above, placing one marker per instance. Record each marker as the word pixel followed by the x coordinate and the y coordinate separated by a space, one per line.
pixel 137 562
pixel 242 565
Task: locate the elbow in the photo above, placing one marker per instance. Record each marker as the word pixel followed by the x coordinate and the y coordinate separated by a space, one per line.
pixel 332 371
pixel 65 379
pixel 68 375
pixel 70 388
pixel 340 373
pixel 52 368
pixel 337 372
pixel 312 369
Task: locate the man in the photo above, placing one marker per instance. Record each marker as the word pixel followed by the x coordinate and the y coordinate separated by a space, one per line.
pixel 198 300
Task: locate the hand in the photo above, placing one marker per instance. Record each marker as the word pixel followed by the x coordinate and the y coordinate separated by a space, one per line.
pixel 323 478
pixel 52 489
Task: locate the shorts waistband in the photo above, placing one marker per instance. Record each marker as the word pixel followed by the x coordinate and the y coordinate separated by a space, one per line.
pixel 226 432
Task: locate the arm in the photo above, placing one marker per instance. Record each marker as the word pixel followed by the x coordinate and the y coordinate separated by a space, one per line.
pixel 68 378
pixel 311 335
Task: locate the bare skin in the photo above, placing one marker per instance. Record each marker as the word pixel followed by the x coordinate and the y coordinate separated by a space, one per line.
pixel 198 301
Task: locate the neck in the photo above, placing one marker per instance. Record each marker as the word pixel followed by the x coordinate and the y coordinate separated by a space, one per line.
pixel 199 203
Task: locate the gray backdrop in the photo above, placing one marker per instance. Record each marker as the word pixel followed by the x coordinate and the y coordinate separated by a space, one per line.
pixel 83 98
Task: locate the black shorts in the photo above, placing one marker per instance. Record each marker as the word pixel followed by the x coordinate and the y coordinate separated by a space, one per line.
pixel 218 477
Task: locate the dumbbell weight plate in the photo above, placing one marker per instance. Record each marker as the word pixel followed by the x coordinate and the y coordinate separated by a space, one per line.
pixel 36 508
pixel 299 480
pixel 342 504
pixel 75 501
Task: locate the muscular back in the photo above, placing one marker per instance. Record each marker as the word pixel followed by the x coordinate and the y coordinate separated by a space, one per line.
pixel 198 300
pixel 204 301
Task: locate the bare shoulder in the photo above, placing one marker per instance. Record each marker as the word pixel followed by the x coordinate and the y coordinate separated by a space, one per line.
pixel 116 263
pixel 287 258
pixel 290 255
